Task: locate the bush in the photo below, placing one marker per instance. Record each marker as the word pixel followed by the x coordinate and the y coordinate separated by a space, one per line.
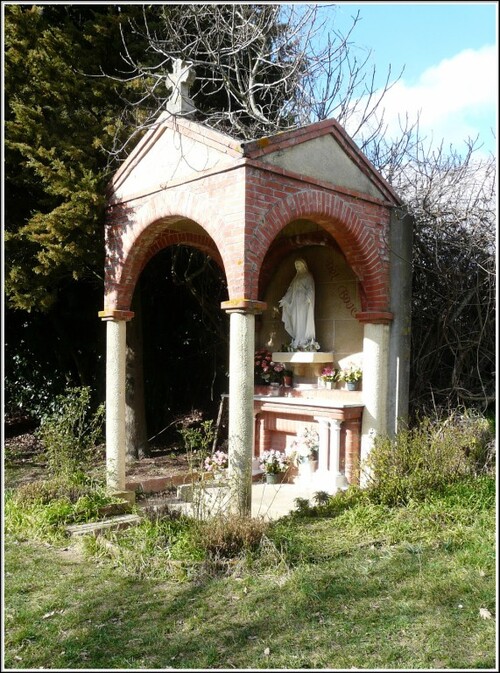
pixel 436 452
pixel 44 492
pixel 198 441
pixel 41 510
pixel 227 537
pixel 70 434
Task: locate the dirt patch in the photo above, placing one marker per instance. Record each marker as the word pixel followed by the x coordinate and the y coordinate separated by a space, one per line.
pixel 160 465
pixel 24 462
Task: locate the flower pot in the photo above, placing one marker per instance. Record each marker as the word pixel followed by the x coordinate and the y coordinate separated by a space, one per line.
pixel 351 385
pixel 275 389
pixel 272 478
pixel 329 385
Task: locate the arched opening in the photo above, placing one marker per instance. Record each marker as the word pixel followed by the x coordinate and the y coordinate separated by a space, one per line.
pixel 184 336
pixel 338 290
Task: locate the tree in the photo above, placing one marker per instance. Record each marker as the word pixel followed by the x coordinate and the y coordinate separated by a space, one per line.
pixel 260 68
pixel 83 82
pixel 57 122
pixel 453 200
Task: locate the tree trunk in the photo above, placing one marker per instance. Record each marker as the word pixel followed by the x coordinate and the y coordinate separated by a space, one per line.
pixel 136 445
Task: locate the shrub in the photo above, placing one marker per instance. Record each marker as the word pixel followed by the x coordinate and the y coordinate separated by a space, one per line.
pixel 436 452
pixel 43 492
pixel 230 536
pixel 69 435
pixel 198 441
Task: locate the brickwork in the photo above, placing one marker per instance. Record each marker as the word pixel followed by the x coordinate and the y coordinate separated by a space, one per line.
pixel 239 221
pixel 235 215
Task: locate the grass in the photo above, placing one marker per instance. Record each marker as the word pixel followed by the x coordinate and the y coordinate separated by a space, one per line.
pixel 372 587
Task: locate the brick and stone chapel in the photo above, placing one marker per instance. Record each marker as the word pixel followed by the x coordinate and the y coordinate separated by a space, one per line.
pixel 255 207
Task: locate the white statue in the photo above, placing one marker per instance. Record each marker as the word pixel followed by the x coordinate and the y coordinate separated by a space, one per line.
pixel 298 308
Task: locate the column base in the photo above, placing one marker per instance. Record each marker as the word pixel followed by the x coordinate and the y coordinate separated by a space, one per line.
pixel 128 496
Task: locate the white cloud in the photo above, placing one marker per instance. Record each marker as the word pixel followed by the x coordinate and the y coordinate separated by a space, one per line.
pixel 456 99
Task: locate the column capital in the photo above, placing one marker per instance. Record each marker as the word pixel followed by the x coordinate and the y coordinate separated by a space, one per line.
pixel 322 419
pixel 244 305
pixel 115 314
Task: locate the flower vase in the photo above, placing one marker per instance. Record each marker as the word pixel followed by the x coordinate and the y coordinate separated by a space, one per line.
pixel 275 389
pixel 329 385
pixel 351 385
pixel 272 478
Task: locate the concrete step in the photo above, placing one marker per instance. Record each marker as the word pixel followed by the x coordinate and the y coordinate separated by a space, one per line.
pixel 97 527
pixel 172 503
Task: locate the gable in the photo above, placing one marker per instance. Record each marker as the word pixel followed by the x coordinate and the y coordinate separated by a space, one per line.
pixel 324 159
pixel 176 150
pixel 325 152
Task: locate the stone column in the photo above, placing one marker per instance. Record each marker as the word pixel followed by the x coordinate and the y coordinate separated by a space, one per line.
pixel 241 415
pixel 335 426
pixel 115 397
pixel 324 441
pixel 375 383
pixel 262 435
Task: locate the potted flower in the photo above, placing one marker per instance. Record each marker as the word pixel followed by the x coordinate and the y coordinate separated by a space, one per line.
pixel 273 463
pixel 329 376
pixel 351 375
pixel 266 371
pixel 304 450
pixel 216 464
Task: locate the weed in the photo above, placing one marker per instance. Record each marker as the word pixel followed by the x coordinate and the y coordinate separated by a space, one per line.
pixel 42 509
pixel 303 507
pixel 198 441
pixel 423 459
pixel 229 536
pixel 69 435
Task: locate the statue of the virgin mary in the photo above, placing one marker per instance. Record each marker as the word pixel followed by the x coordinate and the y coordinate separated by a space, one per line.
pixel 298 308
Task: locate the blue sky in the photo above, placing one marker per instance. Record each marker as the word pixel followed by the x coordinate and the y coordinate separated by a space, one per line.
pixel 450 54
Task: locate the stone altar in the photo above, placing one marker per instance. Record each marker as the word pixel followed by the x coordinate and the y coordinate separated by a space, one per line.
pixel 337 417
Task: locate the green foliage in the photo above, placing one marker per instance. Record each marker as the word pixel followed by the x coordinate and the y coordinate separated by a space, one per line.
pixel 425 458
pixel 60 116
pixel 42 509
pixel 303 507
pixel 198 441
pixel 27 385
pixel 70 434
pixel 45 491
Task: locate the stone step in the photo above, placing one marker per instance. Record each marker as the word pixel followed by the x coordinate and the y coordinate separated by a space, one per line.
pixel 159 483
pixel 97 527
pixel 173 504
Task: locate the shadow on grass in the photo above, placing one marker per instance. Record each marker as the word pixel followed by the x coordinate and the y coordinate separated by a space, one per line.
pixel 377 608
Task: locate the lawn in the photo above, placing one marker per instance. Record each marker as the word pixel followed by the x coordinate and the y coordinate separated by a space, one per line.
pixel 373 587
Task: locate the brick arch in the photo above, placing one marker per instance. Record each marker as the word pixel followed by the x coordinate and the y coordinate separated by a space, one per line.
pixel 144 232
pixel 361 245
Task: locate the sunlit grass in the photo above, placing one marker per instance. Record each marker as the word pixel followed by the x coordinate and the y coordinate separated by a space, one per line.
pixel 372 587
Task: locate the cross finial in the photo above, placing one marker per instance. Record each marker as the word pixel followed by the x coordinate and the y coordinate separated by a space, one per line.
pixel 181 79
